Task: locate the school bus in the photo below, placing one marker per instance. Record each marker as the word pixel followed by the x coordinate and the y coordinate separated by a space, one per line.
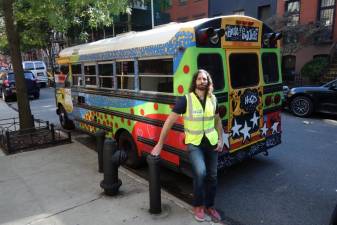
pixel 128 84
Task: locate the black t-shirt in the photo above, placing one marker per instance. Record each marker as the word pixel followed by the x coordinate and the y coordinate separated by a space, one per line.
pixel 180 108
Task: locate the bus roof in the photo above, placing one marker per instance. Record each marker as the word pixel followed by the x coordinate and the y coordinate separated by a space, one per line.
pixel 159 35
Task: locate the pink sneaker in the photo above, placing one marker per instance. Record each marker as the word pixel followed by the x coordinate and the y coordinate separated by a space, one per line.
pixel 213 213
pixel 199 213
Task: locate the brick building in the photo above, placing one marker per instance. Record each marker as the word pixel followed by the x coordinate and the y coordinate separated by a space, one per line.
pixel 306 12
pixel 186 10
pixel 260 9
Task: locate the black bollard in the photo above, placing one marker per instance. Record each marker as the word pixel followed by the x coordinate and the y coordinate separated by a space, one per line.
pixel 52 130
pixel 154 184
pixel 333 219
pixel 100 137
pixel 112 159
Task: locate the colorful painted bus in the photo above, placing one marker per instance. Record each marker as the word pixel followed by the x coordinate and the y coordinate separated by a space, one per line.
pixel 128 84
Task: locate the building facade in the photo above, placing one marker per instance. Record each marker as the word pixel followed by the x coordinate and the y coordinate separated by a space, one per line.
pixel 260 9
pixel 187 10
pixel 309 12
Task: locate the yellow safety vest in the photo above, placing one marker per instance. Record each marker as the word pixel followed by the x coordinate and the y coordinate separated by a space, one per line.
pixel 198 122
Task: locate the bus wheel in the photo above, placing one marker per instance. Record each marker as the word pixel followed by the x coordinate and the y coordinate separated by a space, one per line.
pixel 65 122
pixel 126 142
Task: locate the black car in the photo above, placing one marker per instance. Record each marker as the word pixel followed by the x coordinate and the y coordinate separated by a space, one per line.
pixel 303 101
pixel 8 89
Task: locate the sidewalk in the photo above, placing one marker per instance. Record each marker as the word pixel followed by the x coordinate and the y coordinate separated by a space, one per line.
pixel 60 186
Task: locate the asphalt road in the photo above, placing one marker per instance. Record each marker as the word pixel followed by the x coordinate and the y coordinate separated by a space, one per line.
pixel 295 185
pixel 43 108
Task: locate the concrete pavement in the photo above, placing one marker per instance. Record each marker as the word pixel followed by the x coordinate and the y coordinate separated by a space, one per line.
pixel 60 186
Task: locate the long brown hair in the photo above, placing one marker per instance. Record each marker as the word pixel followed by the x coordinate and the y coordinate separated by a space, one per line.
pixel 193 85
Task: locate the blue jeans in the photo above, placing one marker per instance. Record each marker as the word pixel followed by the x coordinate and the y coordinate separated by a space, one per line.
pixel 204 167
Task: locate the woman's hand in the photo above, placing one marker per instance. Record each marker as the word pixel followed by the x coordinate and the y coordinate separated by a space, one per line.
pixel 219 147
pixel 157 149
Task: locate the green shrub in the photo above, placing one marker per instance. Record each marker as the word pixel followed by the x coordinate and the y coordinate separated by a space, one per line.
pixel 314 68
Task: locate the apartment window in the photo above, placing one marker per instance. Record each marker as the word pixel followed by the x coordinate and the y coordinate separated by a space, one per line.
pixel 326 15
pixel 106 76
pixel 125 74
pixel 90 75
pixel 264 12
pixel 182 2
pixel 199 16
pixel 239 12
pixel 76 74
pixel 183 19
pixel 156 75
pixel 293 12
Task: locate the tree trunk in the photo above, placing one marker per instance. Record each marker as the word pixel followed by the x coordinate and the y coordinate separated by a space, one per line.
pixel 25 114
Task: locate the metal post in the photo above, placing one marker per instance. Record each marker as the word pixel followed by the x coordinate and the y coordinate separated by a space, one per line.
pixel 100 137
pixel 110 183
pixel 154 184
pixel 333 219
pixel 52 129
pixel 9 147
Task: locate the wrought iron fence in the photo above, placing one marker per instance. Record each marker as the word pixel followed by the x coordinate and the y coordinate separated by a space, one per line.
pixel 14 139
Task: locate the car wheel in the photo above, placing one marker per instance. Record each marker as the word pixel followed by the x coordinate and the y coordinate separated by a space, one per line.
pixel 301 106
pixel 64 121
pixel 126 142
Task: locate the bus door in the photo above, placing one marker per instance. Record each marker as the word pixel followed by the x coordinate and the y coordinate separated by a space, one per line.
pixel 245 98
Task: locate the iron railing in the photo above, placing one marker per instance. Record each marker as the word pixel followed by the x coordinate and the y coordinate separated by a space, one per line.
pixel 43 134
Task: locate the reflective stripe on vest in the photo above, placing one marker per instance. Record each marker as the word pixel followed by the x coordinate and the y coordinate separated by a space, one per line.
pixel 199 122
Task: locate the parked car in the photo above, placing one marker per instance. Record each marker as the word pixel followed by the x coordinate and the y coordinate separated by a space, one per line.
pixel 39 70
pixel 8 87
pixel 303 101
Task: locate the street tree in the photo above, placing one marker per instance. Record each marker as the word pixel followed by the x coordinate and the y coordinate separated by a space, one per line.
pixel 34 22
pixel 25 115
pixel 296 35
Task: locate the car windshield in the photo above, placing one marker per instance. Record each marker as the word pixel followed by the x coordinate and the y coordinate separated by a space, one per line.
pixel 29 66
pixel 29 75
pixel 39 66
pixel 330 84
pixel 11 76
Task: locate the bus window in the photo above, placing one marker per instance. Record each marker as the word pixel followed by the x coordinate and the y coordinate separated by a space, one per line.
pixel 212 63
pixel 270 67
pixel 125 75
pixel 90 75
pixel 244 69
pixel 105 71
pixel 76 74
pixel 156 75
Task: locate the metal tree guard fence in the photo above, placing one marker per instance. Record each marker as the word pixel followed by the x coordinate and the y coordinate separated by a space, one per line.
pixel 14 139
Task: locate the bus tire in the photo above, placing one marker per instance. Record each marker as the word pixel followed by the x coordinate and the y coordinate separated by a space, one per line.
pixel 126 142
pixel 65 122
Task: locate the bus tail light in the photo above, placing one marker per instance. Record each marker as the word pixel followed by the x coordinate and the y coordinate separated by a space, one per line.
pixel 277 99
pixel 210 34
pixel 268 100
